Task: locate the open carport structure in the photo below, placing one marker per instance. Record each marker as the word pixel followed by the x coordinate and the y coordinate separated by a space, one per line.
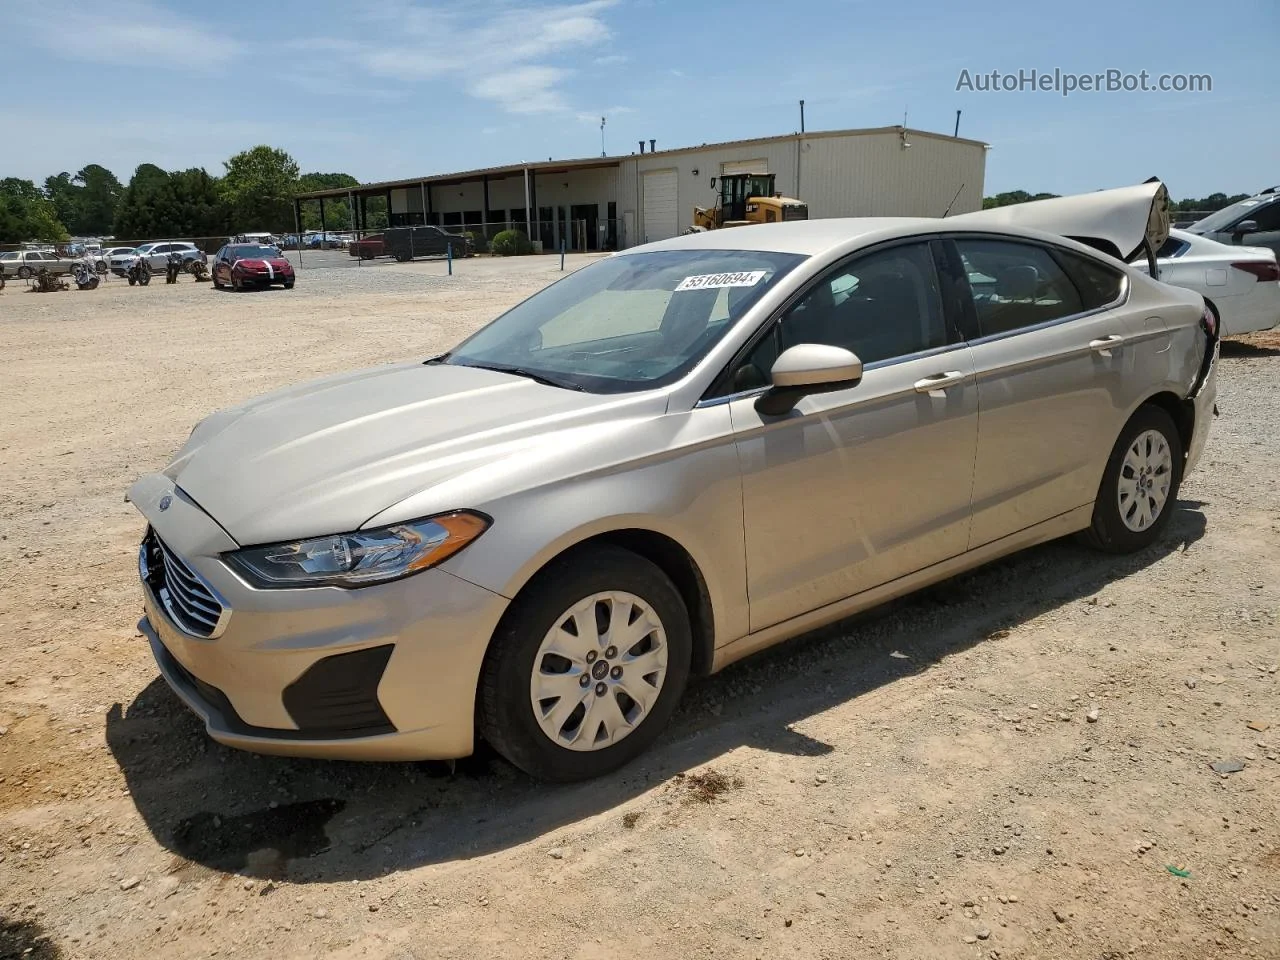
pixel 569 200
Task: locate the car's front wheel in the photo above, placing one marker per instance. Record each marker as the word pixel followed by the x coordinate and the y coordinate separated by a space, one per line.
pixel 24 273
pixel 1140 484
pixel 587 666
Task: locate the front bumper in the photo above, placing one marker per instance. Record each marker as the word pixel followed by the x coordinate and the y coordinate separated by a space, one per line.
pixel 386 672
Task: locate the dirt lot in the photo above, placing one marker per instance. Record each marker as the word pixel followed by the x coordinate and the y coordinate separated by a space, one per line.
pixel 1005 766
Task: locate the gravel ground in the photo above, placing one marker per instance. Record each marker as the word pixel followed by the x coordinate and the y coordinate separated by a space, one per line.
pixel 1007 765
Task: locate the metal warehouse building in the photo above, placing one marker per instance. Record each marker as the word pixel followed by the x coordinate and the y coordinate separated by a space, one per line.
pixel 616 202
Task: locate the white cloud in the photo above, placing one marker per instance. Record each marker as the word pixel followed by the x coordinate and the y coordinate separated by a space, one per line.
pixel 133 33
pixel 610 60
pixel 530 89
pixel 409 42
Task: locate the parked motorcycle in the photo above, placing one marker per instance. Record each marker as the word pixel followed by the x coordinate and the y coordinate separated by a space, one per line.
pixel 139 271
pixel 172 267
pixel 85 276
pixel 199 270
pixel 1 276
pixel 47 282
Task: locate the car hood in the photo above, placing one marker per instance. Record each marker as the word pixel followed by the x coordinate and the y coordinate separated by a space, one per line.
pixel 327 456
pixel 276 263
pixel 1125 218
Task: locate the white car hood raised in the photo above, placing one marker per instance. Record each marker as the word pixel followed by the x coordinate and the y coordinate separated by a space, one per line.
pixel 1124 217
pixel 327 456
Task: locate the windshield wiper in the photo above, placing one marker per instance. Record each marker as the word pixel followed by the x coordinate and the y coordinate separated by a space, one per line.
pixel 528 374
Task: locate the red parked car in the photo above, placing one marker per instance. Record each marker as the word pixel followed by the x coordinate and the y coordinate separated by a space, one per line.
pixel 369 247
pixel 242 265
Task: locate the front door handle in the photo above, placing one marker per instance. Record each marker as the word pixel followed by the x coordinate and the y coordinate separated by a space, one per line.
pixel 1105 345
pixel 940 381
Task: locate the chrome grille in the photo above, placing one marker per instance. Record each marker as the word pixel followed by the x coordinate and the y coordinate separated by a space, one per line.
pixel 190 602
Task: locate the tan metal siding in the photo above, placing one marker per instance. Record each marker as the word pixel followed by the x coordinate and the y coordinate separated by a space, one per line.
pixel 872 176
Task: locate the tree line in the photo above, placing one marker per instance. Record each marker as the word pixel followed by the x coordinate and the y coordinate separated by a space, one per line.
pixel 255 192
pixel 1215 201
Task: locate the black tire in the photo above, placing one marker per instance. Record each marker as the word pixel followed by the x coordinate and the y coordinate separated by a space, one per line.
pixel 24 273
pixel 1108 530
pixel 216 284
pixel 504 712
pixel 132 279
pixel 288 284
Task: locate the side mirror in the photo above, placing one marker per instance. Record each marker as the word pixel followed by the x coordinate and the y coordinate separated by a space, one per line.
pixel 1243 227
pixel 808 368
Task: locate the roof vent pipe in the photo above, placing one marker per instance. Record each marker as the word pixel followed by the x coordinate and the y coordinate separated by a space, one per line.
pixel 652 147
pixel 642 146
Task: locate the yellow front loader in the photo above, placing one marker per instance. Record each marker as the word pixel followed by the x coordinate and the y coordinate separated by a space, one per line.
pixel 747 198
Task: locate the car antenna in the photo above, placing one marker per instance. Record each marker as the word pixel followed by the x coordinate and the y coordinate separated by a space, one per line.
pixel 953 201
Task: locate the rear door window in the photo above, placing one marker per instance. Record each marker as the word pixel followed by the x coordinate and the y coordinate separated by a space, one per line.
pixel 1016 285
pixel 1097 283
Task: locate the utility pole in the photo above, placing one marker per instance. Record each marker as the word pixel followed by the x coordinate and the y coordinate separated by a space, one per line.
pixel 802 116
pixel 602 153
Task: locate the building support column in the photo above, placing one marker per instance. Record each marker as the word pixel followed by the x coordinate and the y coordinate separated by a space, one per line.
pixel 485 230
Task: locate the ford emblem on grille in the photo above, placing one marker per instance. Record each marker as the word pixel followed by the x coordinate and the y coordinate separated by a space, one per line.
pixel 164 502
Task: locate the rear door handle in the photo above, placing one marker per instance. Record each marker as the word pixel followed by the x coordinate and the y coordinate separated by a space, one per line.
pixel 940 381
pixel 1106 344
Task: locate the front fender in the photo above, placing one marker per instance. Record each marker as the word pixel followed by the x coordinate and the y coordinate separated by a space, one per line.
pixel 694 498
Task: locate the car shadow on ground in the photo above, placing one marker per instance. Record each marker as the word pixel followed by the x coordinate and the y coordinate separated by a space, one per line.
pixel 1247 348
pixel 311 821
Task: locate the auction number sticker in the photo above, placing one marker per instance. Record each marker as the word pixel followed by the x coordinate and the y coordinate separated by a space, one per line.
pixel 715 281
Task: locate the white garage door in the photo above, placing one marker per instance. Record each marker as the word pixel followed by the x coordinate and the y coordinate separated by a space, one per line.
pixel 660 213
pixel 745 166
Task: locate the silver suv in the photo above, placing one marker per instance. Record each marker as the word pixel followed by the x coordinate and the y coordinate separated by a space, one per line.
pixel 157 252
pixel 1254 222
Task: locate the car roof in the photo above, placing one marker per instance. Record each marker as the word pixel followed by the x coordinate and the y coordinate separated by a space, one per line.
pixel 815 238
pixel 808 237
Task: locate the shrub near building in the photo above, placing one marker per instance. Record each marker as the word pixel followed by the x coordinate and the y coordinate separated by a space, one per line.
pixel 510 243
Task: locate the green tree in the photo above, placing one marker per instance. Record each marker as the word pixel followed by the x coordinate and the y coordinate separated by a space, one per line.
pixel 65 197
pixel 87 202
pixel 259 187
pixel 27 214
pixel 337 215
pixel 1013 196
pixel 100 193
pixel 185 203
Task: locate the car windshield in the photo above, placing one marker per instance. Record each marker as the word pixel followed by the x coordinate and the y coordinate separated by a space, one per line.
pixel 1225 217
pixel 629 322
pixel 251 252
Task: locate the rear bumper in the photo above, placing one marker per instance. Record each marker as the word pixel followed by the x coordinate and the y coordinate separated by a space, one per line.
pixel 1204 398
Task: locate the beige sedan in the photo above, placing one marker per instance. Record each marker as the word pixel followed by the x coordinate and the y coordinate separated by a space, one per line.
pixel 25 264
pixel 666 461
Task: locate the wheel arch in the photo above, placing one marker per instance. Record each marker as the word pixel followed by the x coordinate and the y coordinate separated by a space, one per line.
pixel 1183 413
pixel 671 557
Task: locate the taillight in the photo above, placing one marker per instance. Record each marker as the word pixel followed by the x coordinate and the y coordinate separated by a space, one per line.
pixel 1265 271
pixel 1209 323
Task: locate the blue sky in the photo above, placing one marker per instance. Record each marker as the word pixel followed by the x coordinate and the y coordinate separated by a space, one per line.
pixel 399 88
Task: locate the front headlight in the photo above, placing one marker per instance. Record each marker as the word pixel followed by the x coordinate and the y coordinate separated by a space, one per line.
pixel 363 557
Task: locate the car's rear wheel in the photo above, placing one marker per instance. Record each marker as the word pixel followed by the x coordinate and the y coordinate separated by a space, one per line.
pixel 587 666
pixel 24 273
pixel 1140 484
